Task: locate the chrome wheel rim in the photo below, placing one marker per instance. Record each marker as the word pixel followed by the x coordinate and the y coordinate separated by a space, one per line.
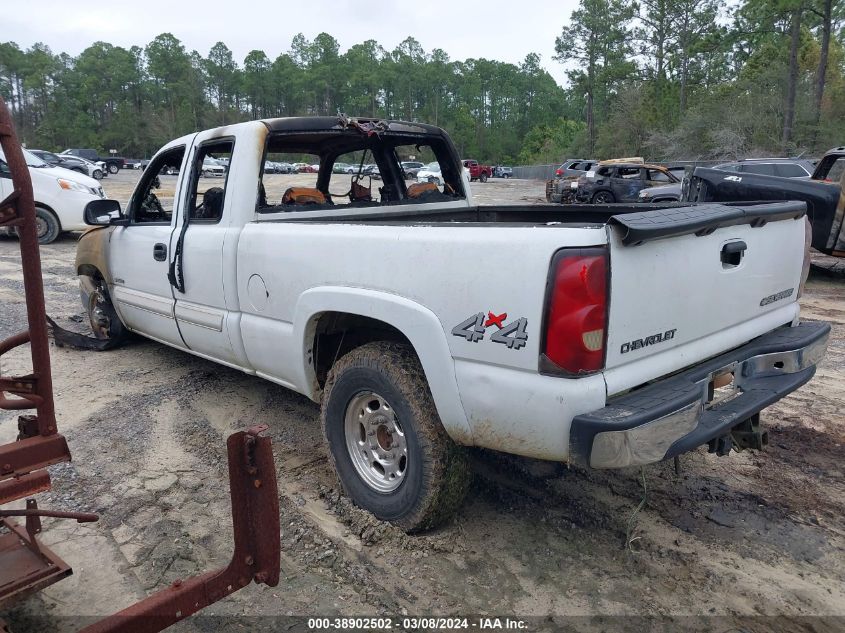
pixel 376 442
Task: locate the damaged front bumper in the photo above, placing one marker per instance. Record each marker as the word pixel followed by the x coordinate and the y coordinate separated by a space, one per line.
pixel 680 413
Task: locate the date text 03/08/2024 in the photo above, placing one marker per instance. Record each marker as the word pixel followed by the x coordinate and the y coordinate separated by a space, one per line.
pixel 408 623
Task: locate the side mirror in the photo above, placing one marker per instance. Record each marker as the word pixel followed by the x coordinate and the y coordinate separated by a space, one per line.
pixel 104 213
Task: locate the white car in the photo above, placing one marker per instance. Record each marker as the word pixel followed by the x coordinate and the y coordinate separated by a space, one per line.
pixel 60 196
pixel 97 170
pixel 211 167
pixel 431 173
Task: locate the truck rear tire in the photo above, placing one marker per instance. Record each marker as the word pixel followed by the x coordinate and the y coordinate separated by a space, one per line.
pixel 113 169
pixel 483 177
pixel 386 442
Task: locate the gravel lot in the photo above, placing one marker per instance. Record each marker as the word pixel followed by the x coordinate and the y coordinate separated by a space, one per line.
pixel 755 541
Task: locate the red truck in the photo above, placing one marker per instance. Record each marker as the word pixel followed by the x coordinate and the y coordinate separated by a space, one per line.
pixel 476 171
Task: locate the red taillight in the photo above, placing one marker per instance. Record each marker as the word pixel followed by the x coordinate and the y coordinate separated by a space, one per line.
pixel 576 310
pixel 558 172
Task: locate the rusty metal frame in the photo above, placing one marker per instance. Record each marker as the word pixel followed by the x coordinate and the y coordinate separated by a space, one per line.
pixel 255 519
pixel 25 564
pixel 39 443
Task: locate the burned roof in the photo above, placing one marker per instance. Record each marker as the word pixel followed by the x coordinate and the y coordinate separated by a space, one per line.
pixel 340 123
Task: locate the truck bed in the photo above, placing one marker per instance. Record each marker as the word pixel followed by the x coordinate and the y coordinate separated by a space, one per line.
pixel 643 222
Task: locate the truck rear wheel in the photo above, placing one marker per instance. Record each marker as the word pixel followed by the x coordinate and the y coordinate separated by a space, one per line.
pixel 386 442
pixel 113 169
pixel 483 177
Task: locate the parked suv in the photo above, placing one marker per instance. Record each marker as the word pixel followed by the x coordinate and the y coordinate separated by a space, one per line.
pixel 621 182
pixel 575 167
pixel 783 167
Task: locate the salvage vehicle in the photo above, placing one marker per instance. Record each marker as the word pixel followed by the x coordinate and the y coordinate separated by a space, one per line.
pixel 60 196
pixel 613 181
pixel 477 171
pixel 113 163
pixel 500 171
pixel 95 170
pixel 823 195
pixel 423 323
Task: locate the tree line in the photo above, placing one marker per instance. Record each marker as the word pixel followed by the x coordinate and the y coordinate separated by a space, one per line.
pixel 667 79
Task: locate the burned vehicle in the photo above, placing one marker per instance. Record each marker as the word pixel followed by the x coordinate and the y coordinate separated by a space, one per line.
pixel 424 323
pixel 621 182
pixel 561 188
pixel 823 194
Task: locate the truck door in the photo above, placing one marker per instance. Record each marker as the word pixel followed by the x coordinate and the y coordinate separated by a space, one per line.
pixel 138 252
pixel 199 255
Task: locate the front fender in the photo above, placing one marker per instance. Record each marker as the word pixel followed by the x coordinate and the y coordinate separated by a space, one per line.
pixel 91 253
pixel 419 324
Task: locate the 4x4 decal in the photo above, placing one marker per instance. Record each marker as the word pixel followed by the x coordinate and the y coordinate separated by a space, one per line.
pixel 512 334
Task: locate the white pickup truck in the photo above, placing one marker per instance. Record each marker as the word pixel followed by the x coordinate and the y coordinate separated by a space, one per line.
pixel 615 336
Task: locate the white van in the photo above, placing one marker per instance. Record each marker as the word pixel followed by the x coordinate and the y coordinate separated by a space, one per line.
pixel 60 195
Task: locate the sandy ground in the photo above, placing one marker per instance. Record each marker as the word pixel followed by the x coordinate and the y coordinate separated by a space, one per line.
pixel 752 542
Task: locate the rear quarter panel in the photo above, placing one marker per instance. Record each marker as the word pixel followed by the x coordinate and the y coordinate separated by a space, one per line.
pixel 450 272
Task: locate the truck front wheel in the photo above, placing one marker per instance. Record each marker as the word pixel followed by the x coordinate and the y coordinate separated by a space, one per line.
pixel 386 441
pixel 105 324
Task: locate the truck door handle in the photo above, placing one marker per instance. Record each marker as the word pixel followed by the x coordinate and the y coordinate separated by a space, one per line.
pixel 160 252
pixel 732 253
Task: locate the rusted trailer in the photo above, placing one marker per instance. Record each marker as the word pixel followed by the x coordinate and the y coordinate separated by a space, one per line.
pixel 26 565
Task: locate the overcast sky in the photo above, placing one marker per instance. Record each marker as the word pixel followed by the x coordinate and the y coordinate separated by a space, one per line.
pixel 505 30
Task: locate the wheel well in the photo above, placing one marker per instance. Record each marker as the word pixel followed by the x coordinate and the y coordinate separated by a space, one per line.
pixel 338 333
pixel 89 270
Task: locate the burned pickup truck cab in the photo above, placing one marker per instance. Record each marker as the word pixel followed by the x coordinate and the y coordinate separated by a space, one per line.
pixel 823 194
pixel 423 323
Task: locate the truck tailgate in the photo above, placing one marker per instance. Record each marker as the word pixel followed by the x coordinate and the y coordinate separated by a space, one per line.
pixel 682 276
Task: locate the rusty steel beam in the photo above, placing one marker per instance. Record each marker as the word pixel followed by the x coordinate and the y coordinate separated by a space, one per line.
pixel 22 203
pixel 26 565
pixel 24 486
pixel 31 453
pixel 255 519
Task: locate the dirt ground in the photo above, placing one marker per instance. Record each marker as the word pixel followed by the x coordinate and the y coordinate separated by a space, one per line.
pixel 752 542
